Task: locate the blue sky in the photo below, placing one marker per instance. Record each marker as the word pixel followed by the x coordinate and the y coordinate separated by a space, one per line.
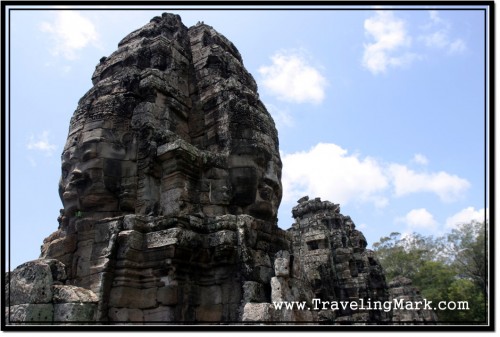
pixel 380 109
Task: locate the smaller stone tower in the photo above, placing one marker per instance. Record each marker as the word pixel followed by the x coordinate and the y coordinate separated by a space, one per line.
pixel 331 256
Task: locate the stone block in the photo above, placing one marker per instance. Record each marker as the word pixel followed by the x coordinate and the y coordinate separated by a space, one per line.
pixel 282 266
pixel 225 255
pixel 104 230
pixel 75 312
pixel 209 313
pixel 94 282
pixel 31 282
pixel 131 222
pixel 125 315
pixel 223 237
pixel 30 313
pixel 261 258
pixel 213 210
pixel 170 201
pixel 253 292
pixel 100 250
pixel 132 239
pixel 231 291
pixel 280 290
pixel 263 274
pixel 231 312
pixel 61 246
pixel 160 314
pixel 210 295
pixel 127 297
pixel 168 295
pixel 73 294
pixel 257 312
pixel 161 238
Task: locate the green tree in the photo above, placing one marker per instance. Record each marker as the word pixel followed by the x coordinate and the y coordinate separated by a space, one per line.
pixel 467 248
pixel 448 268
pixel 466 290
pixel 405 256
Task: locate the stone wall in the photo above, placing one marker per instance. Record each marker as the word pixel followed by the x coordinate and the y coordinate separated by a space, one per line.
pixel 37 293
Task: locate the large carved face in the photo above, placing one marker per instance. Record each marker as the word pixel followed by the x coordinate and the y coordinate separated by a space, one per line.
pixel 254 162
pixel 97 175
pixel 256 183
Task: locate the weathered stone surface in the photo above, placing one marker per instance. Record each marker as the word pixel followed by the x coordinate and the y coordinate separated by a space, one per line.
pixel 282 264
pixel 332 257
pixel 253 292
pixel 123 315
pixel 401 290
pixel 128 297
pixel 171 183
pixel 75 312
pixel 168 295
pixel 72 294
pixel 36 313
pixel 36 294
pixel 32 281
pixel 159 314
pixel 257 312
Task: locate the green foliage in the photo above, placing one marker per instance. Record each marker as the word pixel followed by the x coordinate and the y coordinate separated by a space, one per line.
pixel 467 245
pixel 448 268
pixel 466 290
pixel 405 256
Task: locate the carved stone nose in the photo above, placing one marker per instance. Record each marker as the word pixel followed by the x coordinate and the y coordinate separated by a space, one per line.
pixel 76 174
pixel 76 177
pixel 271 177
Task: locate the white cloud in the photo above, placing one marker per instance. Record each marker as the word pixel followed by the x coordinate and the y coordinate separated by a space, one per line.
pixel 436 39
pixel 363 226
pixel 466 215
pixel 420 159
pixel 457 46
pixel 438 35
pixel 330 172
pixel 71 32
pixel 419 219
pixel 41 143
pixel 291 78
pixel 435 18
pixel 390 39
pixel 447 186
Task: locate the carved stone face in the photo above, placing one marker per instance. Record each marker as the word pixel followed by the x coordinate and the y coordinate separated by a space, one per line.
pixel 97 176
pixel 256 183
pixel 254 162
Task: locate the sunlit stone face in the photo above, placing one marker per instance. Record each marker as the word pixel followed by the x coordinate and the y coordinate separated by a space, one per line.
pixel 97 176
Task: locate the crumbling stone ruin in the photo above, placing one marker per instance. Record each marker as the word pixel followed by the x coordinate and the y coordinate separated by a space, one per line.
pixel 401 289
pixel 171 182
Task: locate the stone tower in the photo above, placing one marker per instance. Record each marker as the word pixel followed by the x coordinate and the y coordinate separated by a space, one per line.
pixel 171 182
pixel 332 256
